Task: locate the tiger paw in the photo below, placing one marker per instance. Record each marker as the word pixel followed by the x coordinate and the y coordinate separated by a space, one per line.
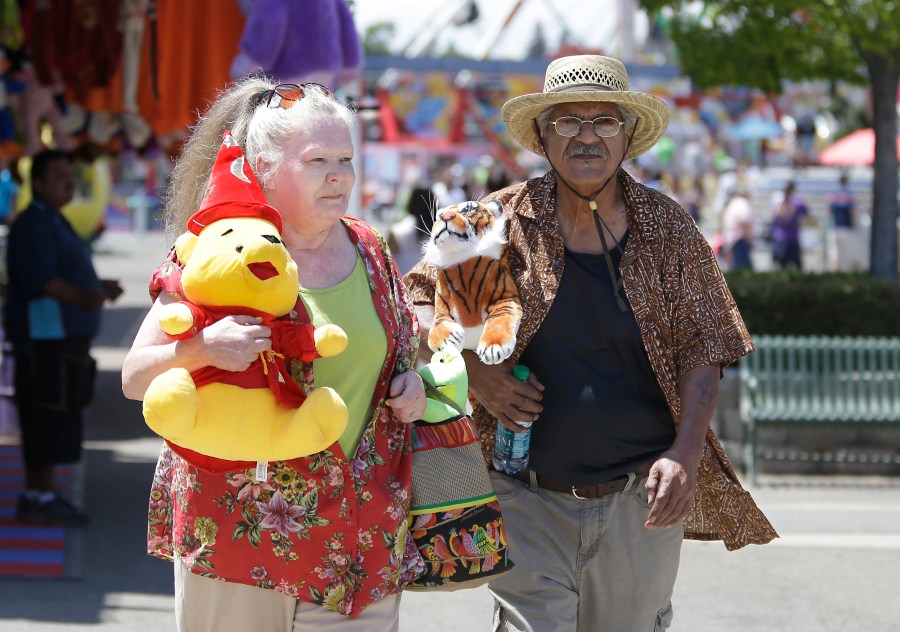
pixel 446 334
pixel 494 354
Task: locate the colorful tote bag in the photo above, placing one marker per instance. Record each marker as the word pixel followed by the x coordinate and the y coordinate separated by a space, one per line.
pixel 456 520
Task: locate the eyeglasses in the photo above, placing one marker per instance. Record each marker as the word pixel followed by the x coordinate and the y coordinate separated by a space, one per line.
pixel 289 93
pixel 604 126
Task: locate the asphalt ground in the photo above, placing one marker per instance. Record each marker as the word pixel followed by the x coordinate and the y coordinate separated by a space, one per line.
pixel 836 567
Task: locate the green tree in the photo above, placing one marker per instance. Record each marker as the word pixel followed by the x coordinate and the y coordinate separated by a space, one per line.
pixel 763 43
pixel 378 38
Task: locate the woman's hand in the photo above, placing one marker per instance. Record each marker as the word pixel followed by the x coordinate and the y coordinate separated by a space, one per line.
pixel 234 342
pixel 506 398
pixel 230 344
pixel 407 397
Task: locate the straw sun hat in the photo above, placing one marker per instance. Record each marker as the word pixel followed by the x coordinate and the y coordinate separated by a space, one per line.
pixel 587 78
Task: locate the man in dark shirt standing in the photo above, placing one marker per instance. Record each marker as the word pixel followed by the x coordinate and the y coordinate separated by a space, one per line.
pixel 843 250
pixel 52 312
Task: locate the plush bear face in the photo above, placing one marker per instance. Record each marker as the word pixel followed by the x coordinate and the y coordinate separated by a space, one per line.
pixel 238 262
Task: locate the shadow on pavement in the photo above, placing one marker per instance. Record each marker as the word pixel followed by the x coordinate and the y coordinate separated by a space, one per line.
pixel 115 572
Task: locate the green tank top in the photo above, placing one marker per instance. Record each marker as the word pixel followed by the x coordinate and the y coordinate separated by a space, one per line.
pixel 353 373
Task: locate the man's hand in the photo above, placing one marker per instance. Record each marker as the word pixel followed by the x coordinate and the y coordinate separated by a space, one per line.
pixel 506 398
pixel 671 486
pixel 672 482
pixel 111 289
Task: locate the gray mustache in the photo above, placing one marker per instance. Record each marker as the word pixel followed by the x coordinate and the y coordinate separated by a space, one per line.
pixel 591 150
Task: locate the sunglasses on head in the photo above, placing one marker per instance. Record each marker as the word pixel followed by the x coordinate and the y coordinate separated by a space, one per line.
pixel 285 95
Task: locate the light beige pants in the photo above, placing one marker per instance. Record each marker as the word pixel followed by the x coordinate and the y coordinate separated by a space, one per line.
pixel 583 565
pixel 209 605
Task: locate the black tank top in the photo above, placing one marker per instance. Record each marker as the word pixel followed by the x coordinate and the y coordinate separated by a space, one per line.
pixel 604 411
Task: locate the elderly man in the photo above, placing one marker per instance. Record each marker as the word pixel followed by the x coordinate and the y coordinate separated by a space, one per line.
pixel 627 325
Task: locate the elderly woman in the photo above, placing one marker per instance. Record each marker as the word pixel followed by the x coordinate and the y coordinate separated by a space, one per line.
pixel 325 535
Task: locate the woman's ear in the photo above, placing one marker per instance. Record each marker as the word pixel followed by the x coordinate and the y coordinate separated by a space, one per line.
pixel 261 169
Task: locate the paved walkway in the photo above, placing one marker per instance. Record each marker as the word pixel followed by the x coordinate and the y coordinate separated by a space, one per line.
pixel 835 569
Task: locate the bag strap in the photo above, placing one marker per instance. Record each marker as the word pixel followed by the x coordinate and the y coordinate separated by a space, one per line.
pixel 434 393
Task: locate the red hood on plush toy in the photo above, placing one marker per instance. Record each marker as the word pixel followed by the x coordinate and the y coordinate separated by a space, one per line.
pixel 233 191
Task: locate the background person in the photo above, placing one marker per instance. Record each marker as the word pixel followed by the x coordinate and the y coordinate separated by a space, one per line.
pixel 737 231
pixel 842 247
pixel 449 186
pixel 624 382
pixel 789 212
pixel 52 312
pixel 321 536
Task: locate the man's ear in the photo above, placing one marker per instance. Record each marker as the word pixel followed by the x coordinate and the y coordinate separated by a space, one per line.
pixel 184 246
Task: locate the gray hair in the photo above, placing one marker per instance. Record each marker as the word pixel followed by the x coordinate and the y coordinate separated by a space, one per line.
pixel 259 130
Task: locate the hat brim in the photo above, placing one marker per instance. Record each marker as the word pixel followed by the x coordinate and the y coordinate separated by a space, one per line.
pixel 519 113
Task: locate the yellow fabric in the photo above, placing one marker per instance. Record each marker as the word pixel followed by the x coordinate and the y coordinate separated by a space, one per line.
pixel 228 421
pixel 353 373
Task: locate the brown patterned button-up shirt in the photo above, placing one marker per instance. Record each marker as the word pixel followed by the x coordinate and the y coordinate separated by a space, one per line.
pixel 685 312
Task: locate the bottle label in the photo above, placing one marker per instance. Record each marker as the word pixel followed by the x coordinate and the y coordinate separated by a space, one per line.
pixel 520 443
pixel 505 441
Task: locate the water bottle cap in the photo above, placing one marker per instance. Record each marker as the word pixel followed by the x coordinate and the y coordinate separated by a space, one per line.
pixel 520 372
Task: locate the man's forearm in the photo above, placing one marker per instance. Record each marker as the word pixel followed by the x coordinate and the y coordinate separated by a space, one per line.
pixel 699 390
pixel 89 300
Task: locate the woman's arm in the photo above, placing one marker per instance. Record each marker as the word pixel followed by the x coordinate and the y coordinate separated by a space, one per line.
pixel 230 344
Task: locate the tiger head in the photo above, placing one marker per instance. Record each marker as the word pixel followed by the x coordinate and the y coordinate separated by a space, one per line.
pixel 467 230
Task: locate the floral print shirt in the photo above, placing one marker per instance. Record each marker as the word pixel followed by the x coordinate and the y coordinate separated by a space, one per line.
pixel 326 529
pixel 683 308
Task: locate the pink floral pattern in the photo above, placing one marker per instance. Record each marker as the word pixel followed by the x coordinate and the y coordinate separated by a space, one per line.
pixel 331 528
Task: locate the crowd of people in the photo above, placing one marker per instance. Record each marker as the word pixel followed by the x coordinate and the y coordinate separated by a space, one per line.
pixel 749 227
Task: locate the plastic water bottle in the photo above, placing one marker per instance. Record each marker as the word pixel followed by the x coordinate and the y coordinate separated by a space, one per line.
pixel 511 448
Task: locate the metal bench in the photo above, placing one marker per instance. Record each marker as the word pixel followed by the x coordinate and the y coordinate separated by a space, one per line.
pixel 824 381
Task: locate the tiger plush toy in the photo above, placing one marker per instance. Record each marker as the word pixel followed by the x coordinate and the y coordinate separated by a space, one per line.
pixel 476 299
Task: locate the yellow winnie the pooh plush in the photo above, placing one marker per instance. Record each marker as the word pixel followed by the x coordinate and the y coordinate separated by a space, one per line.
pixel 234 262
